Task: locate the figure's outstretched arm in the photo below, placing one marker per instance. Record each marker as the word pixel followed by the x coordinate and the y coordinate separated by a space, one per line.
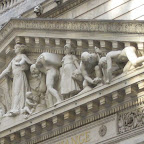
pixel 22 62
pixel 30 103
pixel 75 60
pixel 85 74
pixel 109 56
pixel 132 57
pixel 39 61
pixel 6 71
pixel 26 59
pixel 77 64
pixel 103 66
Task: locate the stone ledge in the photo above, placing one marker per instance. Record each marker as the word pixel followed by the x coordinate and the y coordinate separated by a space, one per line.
pixel 124 136
pixel 100 97
pixel 127 27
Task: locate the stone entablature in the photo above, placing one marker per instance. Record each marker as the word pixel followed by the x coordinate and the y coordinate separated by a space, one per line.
pixel 47 41
pixel 109 35
pixel 105 29
pixel 121 27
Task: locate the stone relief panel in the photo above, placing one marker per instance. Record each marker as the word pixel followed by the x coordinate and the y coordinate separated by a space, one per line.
pixel 130 120
pixel 37 84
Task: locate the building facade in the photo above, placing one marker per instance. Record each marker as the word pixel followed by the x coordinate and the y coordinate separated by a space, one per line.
pixel 71 72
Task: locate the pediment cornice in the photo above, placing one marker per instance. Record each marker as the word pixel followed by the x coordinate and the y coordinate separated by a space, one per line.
pixel 72 29
pixel 106 26
pixel 38 33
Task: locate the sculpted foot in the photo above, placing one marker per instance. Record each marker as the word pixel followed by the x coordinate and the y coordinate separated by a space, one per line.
pixel 107 82
pixel 57 102
pixel 14 113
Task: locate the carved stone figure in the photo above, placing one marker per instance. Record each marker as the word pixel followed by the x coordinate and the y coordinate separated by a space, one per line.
pixel 126 59
pixel 18 66
pixel 30 104
pixel 49 64
pixel 77 76
pixel 69 85
pixel 90 69
pixel 37 84
pixel 38 87
pixel 38 10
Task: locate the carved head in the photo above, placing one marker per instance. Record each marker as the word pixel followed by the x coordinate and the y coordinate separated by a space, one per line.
pixel 97 50
pixel 69 49
pixel 34 71
pixel 20 48
pixel 103 62
pixel 85 57
pixel 29 95
pixel 38 10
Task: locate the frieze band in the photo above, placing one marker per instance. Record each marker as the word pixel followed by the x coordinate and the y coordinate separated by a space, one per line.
pixel 74 25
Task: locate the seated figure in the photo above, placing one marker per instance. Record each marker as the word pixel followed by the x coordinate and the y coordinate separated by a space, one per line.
pixel 90 70
pixel 30 104
pixel 126 59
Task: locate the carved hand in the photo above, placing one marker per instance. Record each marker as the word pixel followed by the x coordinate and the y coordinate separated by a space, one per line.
pixel 96 80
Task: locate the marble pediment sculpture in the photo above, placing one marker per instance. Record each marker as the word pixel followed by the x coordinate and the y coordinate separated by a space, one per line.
pixel 126 59
pixel 19 64
pixel 90 70
pixel 49 64
pixel 69 85
pixel 55 77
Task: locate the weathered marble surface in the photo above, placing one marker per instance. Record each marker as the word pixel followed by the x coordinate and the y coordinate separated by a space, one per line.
pixel 124 91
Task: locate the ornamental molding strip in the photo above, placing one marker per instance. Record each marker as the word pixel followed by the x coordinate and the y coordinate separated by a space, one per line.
pixel 115 33
pixel 110 26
